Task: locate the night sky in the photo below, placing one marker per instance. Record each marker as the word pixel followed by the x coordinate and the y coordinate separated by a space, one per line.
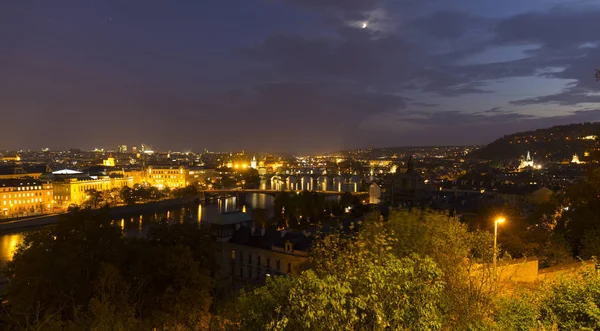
pixel 292 75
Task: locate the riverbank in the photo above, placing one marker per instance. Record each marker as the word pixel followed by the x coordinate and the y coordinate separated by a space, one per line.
pixel 118 211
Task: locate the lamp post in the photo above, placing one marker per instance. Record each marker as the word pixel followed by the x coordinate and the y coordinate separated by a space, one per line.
pixel 498 220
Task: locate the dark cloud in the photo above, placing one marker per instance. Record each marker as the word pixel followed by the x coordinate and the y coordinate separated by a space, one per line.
pixel 569 97
pixel 452 25
pixel 344 5
pixel 558 28
pixel 494 111
pixel 569 42
pixel 460 128
pixel 424 104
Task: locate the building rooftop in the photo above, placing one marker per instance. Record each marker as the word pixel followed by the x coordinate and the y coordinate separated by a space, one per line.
pixel 14 182
pixel 67 172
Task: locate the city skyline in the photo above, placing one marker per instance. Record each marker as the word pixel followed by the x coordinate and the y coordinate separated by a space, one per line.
pixel 300 76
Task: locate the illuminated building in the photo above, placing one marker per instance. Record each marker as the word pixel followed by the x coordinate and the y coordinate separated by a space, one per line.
pixel 200 174
pixel 122 148
pixel 376 191
pixel 528 162
pixel 253 163
pixel 136 175
pixel 70 186
pixel 167 176
pixel 10 158
pixel 575 159
pixel 109 162
pixel 20 196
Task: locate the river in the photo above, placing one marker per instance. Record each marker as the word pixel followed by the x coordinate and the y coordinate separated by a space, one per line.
pixel 138 225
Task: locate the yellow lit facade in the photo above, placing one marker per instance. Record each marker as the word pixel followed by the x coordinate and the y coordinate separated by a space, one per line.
pixel 10 158
pixel 25 196
pixel 172 177
pixel 137 175
pixel 72 190
pixel 109 162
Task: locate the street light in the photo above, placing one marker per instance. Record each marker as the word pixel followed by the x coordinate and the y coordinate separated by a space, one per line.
pixel 498 220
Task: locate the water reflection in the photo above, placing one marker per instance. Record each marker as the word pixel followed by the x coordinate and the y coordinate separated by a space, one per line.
pixel 138 225
pixel 8 244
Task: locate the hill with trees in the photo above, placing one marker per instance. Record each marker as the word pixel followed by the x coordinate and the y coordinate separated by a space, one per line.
pixel 556 143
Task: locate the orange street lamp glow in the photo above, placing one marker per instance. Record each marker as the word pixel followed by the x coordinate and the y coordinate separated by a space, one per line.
pixel 498 220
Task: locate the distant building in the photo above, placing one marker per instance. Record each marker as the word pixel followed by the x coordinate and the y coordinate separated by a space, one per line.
pixel 252 254
pixel 22 172
pixel 575 159
pixel 122 148
pixel 24 196
pixel 376 191
pixel 10 158
pixel 200 174
pixel 167 176
pixel 70 186
pixel 109 162
pixel 528 163
pixel 401 188
pixel 514 195
pixel 254 163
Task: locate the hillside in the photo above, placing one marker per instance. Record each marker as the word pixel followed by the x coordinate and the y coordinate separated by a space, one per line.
pixel 556 143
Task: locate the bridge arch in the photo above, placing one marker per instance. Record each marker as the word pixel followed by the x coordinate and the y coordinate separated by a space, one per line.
pixel 277 183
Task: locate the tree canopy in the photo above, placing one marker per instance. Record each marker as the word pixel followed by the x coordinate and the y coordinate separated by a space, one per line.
pixel 83 274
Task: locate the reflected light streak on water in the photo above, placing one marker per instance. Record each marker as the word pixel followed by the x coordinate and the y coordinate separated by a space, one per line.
pixel 138 225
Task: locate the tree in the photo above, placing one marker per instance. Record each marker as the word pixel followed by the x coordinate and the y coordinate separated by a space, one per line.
pixel 112 196
pixel 93 198
pixel 259 215
pixel 188 191
pixel 154 194
pixel 284 209
pixel 569 303
pixel 354 284
pixel 460 254
pixel 590 244
pixel 251 178
pixel 127 196
pixel 578 210
pixel 82 274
